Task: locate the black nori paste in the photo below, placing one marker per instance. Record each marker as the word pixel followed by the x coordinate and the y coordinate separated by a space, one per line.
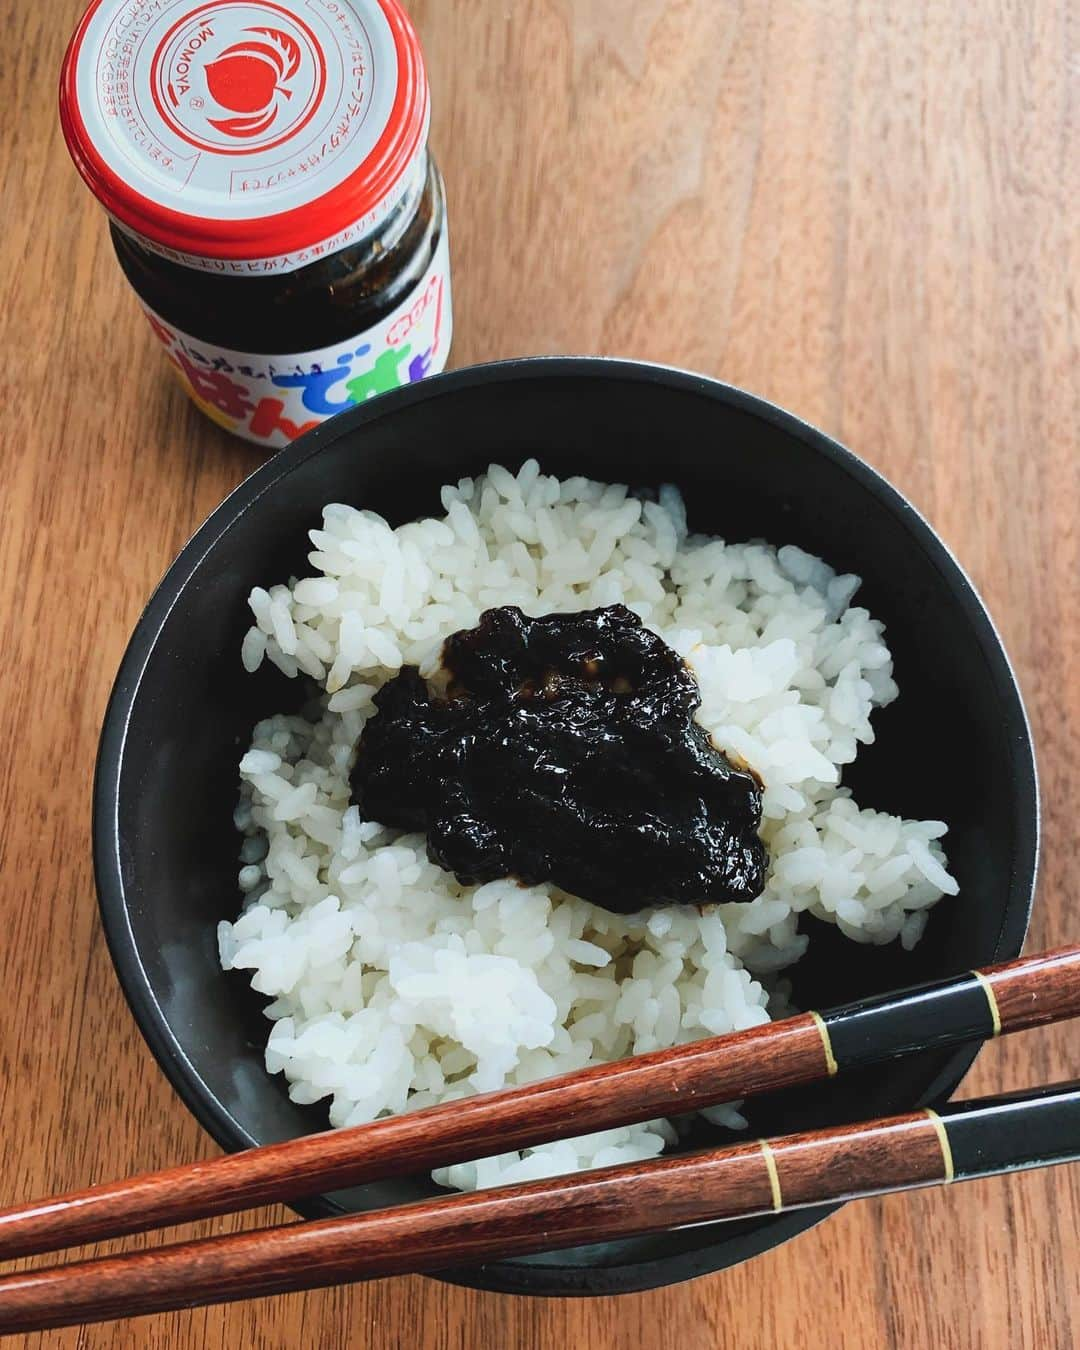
pixel 565 750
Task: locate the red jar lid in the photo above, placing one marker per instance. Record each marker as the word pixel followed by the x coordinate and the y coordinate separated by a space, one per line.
pixel 245 135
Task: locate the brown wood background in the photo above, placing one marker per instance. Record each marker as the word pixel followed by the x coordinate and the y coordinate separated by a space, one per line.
pixel 859 208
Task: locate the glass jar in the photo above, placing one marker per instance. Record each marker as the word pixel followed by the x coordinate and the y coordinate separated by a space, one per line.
pixel 272 199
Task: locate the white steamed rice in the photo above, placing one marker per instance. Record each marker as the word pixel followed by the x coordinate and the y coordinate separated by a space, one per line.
pixel 394 987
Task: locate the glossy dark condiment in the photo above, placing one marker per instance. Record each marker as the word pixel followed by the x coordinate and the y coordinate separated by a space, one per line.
pixel 341 294
pixel 565 750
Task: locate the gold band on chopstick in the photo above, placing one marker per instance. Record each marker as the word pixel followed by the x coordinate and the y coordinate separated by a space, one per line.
pixel 943 1140
pixel 774 1175
pixel 826 1043
pixel 988 990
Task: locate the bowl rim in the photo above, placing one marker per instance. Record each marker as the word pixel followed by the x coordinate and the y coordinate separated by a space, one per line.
pixel 521 1276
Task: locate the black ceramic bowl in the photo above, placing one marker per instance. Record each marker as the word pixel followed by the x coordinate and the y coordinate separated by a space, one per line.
pixel 954 746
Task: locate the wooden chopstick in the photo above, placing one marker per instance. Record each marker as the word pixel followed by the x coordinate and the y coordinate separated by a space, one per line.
pixel 980 1004
pixel 923 1148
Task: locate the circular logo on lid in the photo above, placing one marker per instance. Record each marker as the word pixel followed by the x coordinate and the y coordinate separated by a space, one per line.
pixel 238 78
pixel 261 133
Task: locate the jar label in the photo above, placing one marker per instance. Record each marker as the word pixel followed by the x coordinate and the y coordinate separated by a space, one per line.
pixel 272 399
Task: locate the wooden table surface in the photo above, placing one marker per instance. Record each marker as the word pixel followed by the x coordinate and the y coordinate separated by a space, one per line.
pixel 858 210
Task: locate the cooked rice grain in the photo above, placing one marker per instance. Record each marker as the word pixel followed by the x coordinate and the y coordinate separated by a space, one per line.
pixel 394 987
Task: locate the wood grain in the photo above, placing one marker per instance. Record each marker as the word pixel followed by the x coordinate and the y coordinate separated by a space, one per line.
pixel 754 1177
pixel 663 1083
pixel 966 1140
pixel 808 1047
pixel 859 210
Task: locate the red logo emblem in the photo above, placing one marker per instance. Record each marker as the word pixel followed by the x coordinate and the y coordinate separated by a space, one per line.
pixel 238 76
pixel 248 77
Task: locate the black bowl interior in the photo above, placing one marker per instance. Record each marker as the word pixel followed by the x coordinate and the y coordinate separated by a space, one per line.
pixel 954 746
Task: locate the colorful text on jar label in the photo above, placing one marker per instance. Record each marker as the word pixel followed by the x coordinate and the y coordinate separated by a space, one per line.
pixel 272 399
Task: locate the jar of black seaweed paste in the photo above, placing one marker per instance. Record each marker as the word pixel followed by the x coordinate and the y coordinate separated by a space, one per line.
pixel 272 199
